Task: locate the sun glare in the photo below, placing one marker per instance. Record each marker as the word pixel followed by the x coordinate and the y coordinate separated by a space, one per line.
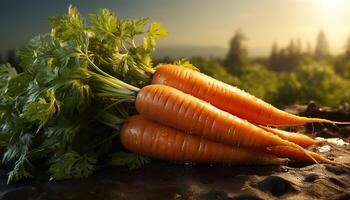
pixel 331 8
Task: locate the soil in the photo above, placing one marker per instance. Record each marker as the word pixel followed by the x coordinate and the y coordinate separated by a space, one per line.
pixel 164 180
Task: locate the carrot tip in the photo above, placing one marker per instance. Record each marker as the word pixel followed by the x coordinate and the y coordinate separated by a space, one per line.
pixel 318 120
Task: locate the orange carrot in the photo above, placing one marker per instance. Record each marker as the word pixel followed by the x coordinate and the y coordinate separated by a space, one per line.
pixel 146 137
pixel 295 154
pixel 187 113
pixel 184 112
pixel 228 98
pixel 297 138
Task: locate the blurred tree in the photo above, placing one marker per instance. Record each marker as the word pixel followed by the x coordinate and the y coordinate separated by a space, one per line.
pixel 273 58
pixel 342 67
pixel 286 59
pixel 291 48
pixel 1 60
pixel 322 46
pixel 294 55
pixel 12 58
pixel 319 82
pixel 347 49
pixel 308 49
pixel 288 88
pixel 342 63
pixel 298 46
pixel 237 57
pixel 259 81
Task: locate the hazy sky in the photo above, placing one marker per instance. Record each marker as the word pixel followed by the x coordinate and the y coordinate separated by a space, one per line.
pixel 196 22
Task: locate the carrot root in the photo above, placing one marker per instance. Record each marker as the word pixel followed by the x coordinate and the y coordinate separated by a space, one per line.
pixel 295 154
pixel 297 138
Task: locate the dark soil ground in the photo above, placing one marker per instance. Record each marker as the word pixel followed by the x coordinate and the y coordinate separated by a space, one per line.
pixel 163 180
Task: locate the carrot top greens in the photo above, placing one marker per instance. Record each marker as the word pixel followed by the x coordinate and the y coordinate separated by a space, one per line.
pixel 52 111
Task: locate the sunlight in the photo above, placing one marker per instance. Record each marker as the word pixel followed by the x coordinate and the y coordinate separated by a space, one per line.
pixel 331 8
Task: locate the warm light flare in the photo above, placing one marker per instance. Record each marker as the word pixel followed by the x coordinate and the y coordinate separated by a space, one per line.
pixel 331 8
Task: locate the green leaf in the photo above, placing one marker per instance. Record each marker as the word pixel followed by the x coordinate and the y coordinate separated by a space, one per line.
pixel 18 85
pixel 149 43
pixel 73 90
pixel 71 165
pixel 43 109
pixel 132 27
pixel 131 160
pixel 4 139
pixel 156 31
pixel 63 129
pixel 19 171
pixel 38 53
pixel 68 26
pixel 19 148
pixel 185 63
pixel 104 24
pixel 18 151
pixel 6 73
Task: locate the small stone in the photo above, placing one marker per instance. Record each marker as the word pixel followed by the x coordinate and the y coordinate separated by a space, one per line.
pixel 310 178
pixel 277 186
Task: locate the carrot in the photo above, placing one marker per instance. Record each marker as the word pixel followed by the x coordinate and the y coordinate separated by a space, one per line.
pixel 228 98
pixel 297 138
pixel 146 137
pixel 184 112
pixel 295 154
pixel 187 113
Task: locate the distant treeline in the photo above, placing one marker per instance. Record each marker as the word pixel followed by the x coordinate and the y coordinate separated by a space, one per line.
pixel 286 58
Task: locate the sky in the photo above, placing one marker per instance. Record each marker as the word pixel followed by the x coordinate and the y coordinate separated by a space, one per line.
pixel 196 22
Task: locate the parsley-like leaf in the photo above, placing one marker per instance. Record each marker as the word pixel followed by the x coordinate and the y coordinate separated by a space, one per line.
pixel 104 24
pixel 71 165
pixel 67 26
pixel 131 160
pixel 67 104
pixel 185 63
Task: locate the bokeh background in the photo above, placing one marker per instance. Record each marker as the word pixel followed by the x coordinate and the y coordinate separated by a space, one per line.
pixel 286 52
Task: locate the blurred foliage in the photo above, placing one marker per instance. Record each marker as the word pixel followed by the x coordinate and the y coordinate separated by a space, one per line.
pixel 322 46
pixel 344 69
pixel 260 81
pixel 237 56
pixel 287 58
pixel 320 83
pixel 215 69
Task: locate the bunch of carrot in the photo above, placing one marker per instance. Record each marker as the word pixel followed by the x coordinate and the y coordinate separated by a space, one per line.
pixel 84 72
pixel 186 116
